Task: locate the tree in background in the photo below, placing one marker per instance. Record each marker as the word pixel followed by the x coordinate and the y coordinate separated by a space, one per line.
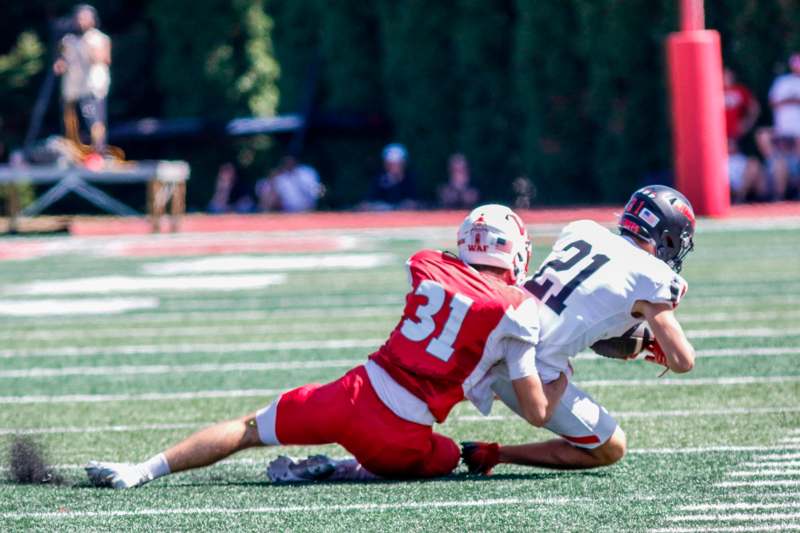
pixel 487 130
pixel 570 93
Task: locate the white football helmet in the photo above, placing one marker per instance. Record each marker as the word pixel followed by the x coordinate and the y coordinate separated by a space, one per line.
pixel 494 235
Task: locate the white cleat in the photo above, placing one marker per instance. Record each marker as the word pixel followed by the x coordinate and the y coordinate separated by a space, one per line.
pixel 115 475
pixel 284 469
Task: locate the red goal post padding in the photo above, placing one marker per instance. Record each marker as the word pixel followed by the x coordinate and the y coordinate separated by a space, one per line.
pixel 698 115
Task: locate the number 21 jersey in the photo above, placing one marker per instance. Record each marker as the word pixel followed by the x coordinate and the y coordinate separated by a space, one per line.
pixel 588 286
pixel 455 328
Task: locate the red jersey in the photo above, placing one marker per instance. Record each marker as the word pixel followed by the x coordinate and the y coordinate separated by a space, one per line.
pixel 451 332
pixel 738 99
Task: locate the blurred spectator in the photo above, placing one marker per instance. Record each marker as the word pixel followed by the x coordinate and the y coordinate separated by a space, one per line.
pixel 741 108
pixel 394 188
pixel 457 193
pixel 230 194
pixel 85 77
pixel 782 162
pixel 746 176
pixel 784 97
pixel 524 192
pixel 292 187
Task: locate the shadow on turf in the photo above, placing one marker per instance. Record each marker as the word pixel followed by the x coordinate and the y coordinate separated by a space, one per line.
pixel 460 477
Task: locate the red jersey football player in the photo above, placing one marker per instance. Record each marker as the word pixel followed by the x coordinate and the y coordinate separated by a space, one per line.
pixel 464 315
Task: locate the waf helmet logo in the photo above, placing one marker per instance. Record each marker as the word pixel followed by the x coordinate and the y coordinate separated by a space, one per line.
pixel 476 245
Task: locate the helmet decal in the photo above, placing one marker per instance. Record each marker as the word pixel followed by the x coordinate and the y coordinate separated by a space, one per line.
pixel 630 225
pixel 649 217
pixel 681 206
pixel 513 216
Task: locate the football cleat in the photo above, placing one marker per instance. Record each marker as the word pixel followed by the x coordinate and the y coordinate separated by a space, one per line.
pixel 480 457
pixel 284 469
pixel 116 475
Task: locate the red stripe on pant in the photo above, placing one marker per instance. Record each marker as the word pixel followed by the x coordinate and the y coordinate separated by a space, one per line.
pixel 588 439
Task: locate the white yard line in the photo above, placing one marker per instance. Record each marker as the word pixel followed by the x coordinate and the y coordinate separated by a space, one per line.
pixel 144 397
pixel 97 429
pixel 736 380
pixel 184 348
pixel 194 331
pixel 741 333
pixel 375 507
pixel 124 332
pixel 770 464
pixel 266 263
pixel 783 526
pixel 247 461
pixel 727 317
pixel 734 517
pixel 777 457
pixel 709 449
pixel 759 483
pixel 132 284
pixel 80 398
pixel 793 440
pixel 132 370
pixel 465 418
pixel 788 472
pixel 295 344
pixel 658 414
pixel 737 506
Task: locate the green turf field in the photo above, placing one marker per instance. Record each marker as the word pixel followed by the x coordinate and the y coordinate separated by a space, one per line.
pixel 716 449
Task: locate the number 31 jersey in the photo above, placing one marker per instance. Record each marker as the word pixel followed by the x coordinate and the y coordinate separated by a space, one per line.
pixel 588 286
pixel 456 326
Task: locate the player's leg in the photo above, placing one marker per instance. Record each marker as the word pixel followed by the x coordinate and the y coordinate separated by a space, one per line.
pixel 203 448
pixel 309 415
pixel 383 445
pixel 563 455
pixel 590 437
pixel 213 444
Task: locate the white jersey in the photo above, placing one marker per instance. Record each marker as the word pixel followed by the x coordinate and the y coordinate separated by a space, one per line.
pixel 588 286
pixel 787 116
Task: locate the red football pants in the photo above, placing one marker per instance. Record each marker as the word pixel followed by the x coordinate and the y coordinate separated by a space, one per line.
pixel 349 412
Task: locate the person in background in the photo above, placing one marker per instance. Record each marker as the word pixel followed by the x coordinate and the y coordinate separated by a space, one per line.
pixel 457 193
pixel 784 98
pixel 741 108
pixel 394 188
pixel 85 77
pixel 747 180
pixel 292 188
pixel 229 194
pixel 780 145
pixel 782 163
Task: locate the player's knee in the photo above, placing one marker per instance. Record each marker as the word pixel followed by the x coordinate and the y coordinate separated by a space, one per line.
pixel 250 437
pixel 613 449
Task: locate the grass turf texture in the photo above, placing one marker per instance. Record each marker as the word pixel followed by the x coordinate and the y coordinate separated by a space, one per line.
pixel 742 283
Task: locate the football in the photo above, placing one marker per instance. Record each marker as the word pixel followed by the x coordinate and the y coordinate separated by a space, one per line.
pixel 628 345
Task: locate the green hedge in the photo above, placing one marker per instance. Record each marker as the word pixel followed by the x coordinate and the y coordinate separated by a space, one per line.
pixel 570 93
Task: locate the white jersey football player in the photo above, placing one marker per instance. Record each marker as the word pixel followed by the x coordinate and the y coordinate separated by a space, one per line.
pixel 596 285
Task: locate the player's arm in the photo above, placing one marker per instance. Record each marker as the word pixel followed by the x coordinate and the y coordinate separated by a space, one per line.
pixel 678 351
pixel 537 402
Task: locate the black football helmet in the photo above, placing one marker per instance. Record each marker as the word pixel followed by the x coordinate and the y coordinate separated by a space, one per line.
pixel 663 217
